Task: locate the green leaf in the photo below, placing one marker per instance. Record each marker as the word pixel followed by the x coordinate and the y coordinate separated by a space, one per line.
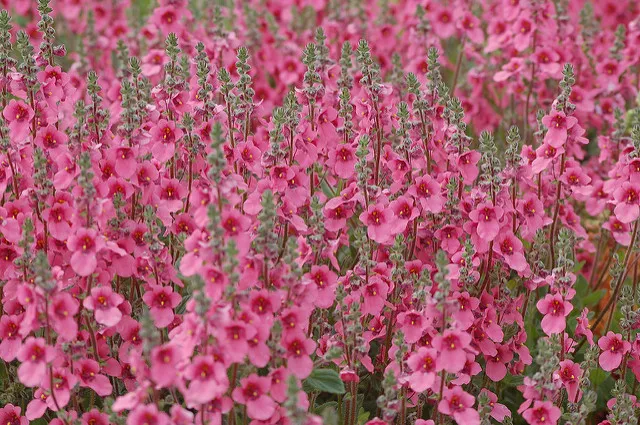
pixel 324 380
pixel 593 298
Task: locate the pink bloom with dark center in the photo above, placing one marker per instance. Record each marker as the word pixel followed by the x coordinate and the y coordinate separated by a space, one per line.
pixel 89 373
pixel 570 374
pixel 374 295
pixel 423 366
pixel 511 249
pixel 147 415
pixel 34 356
pixel 542 413
pixel 104 303
pixel 253 394
pixel 161 301
pixel 85 245
pixel 487 216
pixel 555 310
pixel 627 198
pixel 19 115
pixel 613 347
pixel 459 404
pixel 451 346
pixel 10 415
pixel 298 351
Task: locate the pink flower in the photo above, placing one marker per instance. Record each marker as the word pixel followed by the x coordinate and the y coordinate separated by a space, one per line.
pixel 253 393
pixel 459 404
pixel 34 356
pixel 451 346
pixel 583 327
pixel 325 282
pixel 542 413
pixel 343 160
pixel 412 324
pixel 381 224
pixel 374 295
pixel 19 115
pixel 555 310
pixel 298 349
pixel 147 415
pixel 10 336
pixel 63 308
pixel 545 154
pixel 89 373
pixel 427 193
pixel 558 124
pixel 570 374
pixel 627 198
pixel 10 415
pixel 423 366
pixel 498 411
pixel 164 364
pixel 488 218
pixel 467 164
pixel 496 365
pixel 511 250
pixel 51 139
pixel 208 380
pixel 104 303
pixel 161 301
pixel 164 135
pixel 85 245
pixel 613 350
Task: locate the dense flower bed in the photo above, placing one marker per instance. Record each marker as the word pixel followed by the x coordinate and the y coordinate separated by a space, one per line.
pixel 342 212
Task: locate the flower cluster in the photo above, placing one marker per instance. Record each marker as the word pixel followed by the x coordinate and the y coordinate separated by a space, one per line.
pixel 319 212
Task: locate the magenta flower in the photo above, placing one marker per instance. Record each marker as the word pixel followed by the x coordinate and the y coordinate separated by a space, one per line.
pixel 298 348
pixel 161 301
pixel 496 368
pixel 10 415
pixel 451 347
pixel 487 216
pixel 613 347
pixel 34 356
pixel 85 245
pixel 253 394
pixel 381 223
pixel 89 373
pixel 104 303
pixel 542 413
pixel 374 296
pixel 627 198
pixel 62 311
pixel 423 366
pixel 19 115
pixel 459 404
pixel 511 249
pixel 10 336
pixel 570 374
pixel 426 191
pixel 147 415
pixel 558 124
pixel 208 380
pixel 325 281
pixel 555 310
